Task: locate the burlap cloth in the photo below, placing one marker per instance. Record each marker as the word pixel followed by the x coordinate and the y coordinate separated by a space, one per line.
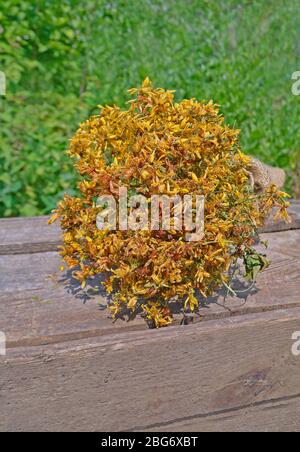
pixel 262 175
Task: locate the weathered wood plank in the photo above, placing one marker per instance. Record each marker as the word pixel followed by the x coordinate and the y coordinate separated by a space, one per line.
pixel 28 235
pixel 69 368
pixel 38 305
pixel 279 415
pixel 294 212
pixel 34 235
pixel 133 381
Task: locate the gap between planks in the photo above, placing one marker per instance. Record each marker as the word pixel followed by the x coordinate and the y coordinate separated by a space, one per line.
pixel 34 235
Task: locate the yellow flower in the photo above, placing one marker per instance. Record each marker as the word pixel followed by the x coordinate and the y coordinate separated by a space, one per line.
pixel 191 302
pixel 132 303
pixel 157 146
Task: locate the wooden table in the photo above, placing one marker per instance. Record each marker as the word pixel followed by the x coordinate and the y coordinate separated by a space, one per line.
pixel 69 368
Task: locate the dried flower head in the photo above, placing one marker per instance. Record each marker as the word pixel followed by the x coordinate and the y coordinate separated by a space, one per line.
pixel 158 146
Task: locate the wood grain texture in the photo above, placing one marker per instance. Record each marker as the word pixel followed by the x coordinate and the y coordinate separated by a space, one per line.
pixel 277 415
pixel 137 381
pixel 34 235
pixel 69 368
pixel 28 235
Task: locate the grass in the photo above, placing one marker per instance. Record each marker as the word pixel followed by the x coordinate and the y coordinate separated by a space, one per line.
pixel 241 54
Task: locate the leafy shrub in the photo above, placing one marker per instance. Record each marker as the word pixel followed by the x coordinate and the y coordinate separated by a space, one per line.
pixel 61 58
pixel 159 147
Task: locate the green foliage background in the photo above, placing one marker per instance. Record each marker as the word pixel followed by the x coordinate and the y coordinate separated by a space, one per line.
pixel 64 57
